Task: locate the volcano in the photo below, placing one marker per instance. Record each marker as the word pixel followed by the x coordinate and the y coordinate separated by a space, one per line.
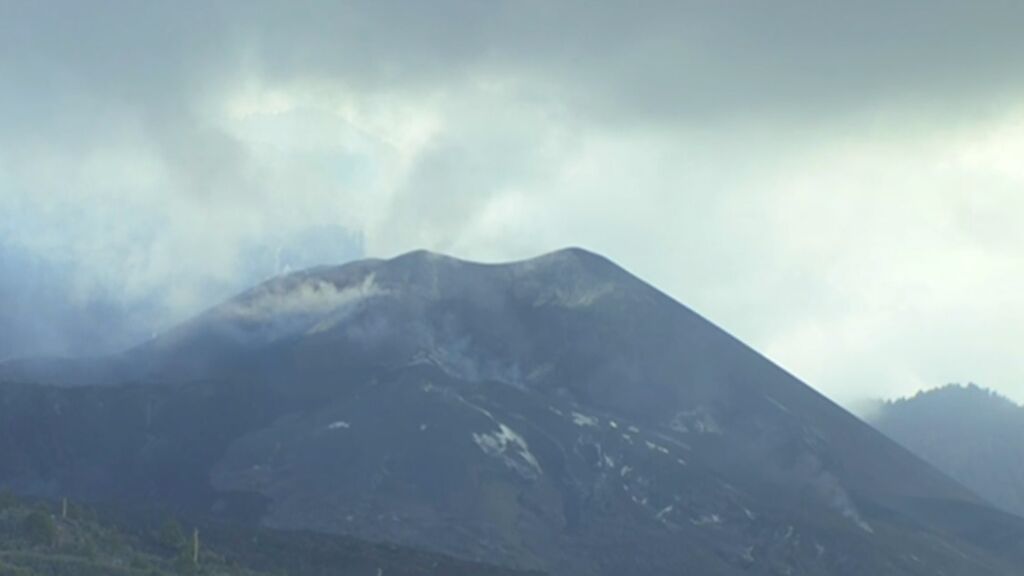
pixel 555 414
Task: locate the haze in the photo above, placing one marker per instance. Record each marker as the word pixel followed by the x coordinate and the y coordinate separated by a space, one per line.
pixel 837 184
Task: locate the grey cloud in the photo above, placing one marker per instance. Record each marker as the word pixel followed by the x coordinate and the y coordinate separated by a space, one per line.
pixel 744 156
pixel 669 60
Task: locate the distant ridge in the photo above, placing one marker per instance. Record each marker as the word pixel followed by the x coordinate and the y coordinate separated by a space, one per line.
pixel 973 434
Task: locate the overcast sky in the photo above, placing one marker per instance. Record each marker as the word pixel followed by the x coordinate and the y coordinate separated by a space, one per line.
pixel 840 184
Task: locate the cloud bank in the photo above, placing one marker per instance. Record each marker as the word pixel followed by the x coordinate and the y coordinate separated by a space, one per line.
pixel 835 183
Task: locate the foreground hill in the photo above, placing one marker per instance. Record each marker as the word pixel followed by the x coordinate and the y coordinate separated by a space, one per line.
pixel 39 540
pixel 47 539
pixel 555 414
pixel 972 434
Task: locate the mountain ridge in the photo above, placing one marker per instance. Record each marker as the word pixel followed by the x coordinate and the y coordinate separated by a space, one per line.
pixel 969 432
pixel 556 413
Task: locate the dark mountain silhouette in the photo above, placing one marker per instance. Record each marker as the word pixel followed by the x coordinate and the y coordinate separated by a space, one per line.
pixel 555 414
pixel 968 432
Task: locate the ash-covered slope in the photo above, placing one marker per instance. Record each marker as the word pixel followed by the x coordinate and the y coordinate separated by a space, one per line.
pixel 557 414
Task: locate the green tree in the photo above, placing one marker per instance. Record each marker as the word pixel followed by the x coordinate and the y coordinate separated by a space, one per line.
pixel 172 537
pixel 40 529
pixel 183 564
pixel 7 499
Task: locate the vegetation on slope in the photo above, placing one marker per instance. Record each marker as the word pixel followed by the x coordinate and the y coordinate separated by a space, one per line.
pixel 968 432
pixel 64 539
pixel 46 539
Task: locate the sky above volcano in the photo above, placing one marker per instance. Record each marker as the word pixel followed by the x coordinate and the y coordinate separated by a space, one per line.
pixel 839 184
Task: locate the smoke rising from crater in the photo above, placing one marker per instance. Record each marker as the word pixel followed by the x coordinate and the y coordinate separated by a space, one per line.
pixel 836 184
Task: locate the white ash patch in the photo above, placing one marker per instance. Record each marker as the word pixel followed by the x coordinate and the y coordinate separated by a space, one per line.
pixel 511 448
pixel 582 420
pixel 699 420
pixel 748 554
pixel 664 512
pixel 707 519
pixel 656 447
